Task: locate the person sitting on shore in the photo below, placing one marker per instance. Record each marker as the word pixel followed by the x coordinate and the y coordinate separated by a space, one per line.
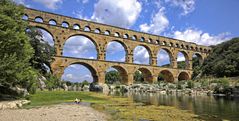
pixel 77 101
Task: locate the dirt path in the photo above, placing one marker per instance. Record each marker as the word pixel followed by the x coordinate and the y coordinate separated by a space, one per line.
pixel 63 112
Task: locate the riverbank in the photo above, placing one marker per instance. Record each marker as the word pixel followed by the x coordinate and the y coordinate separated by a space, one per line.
pixel 60 112
pixel 117 108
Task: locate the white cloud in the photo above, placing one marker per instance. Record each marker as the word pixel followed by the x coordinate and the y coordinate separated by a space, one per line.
pixel 188 6
pixel 80 47
pixel 51 4
pixel 114 47
pixel 47 37
pixel 82 1
pixel 69 76
pixel 79 14
pixel 21 2
pixel 199 37
pixel 141 55
pixel 163 58
pixel 180 57
pixel 158 24
pixel 122 13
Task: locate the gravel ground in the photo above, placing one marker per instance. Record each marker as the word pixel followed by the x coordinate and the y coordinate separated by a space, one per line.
pixel 63 112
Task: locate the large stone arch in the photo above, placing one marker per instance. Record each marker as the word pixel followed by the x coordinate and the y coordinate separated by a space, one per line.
pixel 86 36
pixel 167 75
pixel 47 30
pixel 183 76
pixel 170 54
pixel 199 55
pixel 147 74
pixel 92 69
pixel 122 43
pixel 186 56
pixel 123 73
pixel 148 50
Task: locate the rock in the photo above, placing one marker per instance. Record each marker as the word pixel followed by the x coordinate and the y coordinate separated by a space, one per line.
pixel 13 104
pixel 163 92
pixel 65 87
pixel 96 88
pixel 20 91
pixel 106 88
pixel 42 83
pixel 74 88
pixel 86 88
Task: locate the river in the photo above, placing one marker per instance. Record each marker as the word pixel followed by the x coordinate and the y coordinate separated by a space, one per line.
pixel 207 107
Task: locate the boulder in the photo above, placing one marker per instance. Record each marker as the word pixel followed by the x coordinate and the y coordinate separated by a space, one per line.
pixel 74 88
pixel 65 87
pixel 42 83
pixel 106 88
pixel 20 91
pixel 13 104
pixel 95 88
pixel 86 88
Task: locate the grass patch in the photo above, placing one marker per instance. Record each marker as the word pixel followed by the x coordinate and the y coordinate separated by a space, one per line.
pixel 119 108
pixel 42 98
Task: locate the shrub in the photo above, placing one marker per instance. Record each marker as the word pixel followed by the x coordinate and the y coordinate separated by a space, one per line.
pixel 190 84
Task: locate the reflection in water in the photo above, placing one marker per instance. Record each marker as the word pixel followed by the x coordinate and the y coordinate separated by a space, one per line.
pixel 204 106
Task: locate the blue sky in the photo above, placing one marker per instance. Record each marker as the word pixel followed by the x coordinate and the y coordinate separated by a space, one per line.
pixel 205 22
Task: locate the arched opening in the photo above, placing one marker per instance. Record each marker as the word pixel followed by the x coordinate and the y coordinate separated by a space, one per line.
pixel 52 22
pixel 116 75
pixel 166 75
pixel 126 36
pixel 134 37
pixel 183 76
pixel 80 72
pixel 25 17
pixel 164 58
pixel 187 47
pixel 42 34
pixel 182 60
pixel 197 62
pixel 80 46
pixel 157 42
pixel 171 44
pixel 65 24
pixel 107 32
pixel 87 29
pixel 143 75
pixel 116 48
pixel 76 26
pixel 164 43
pixel 142 39
pixel 141 55
pixel 43 45
pixel 149 40
pixel 39 19
pixel 116 34
pixel 97 30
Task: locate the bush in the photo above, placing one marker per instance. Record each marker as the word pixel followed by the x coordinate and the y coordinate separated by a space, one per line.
pixel 223 82
pixel 52 82
pixel 190 84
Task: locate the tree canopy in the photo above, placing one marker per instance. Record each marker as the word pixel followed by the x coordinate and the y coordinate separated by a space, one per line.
pixel 223 60
pixel 15 49
pixel 112 77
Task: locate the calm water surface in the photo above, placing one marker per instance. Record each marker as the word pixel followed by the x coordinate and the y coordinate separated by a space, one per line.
pixel 207 107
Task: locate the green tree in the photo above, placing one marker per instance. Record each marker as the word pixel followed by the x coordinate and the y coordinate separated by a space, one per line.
pixel 138 76
pixel 15 49
pixel 43 52
pixel 223 60
pixel 112 77
pixel 196 67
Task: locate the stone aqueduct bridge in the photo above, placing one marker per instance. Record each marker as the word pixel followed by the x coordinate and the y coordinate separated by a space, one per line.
pixel 102 34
